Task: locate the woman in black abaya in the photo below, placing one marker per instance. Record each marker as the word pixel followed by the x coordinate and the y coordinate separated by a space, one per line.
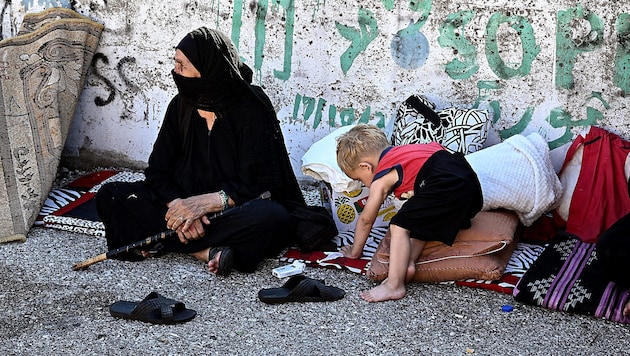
pixel 220 146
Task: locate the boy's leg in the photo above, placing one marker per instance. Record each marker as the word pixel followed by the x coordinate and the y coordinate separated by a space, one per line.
pixel 416 250
pixel 393 287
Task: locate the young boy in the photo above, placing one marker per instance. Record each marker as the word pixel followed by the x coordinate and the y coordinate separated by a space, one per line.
pixel 441 190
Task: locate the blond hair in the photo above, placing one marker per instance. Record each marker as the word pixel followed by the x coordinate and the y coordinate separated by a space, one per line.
pixel 359 142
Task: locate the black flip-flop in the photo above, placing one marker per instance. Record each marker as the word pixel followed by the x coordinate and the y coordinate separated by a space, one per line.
pixel 154 309
pixel 226 260
pixel 300 288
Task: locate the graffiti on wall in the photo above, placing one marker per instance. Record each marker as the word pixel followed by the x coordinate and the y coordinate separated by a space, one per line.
pixel 315 109
pixel 410 50
pixel 578 31
pixel 129 92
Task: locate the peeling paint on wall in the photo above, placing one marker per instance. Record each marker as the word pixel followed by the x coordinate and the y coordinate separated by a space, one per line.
pixel 550 67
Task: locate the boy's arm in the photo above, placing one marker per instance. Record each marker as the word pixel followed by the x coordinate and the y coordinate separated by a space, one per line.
pixel 379 190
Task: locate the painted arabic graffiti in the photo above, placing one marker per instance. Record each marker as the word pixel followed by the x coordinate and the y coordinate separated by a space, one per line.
pixel 579 30
pixel 558 117
pixel 260 32
pixel 570 43
pixel 622 57
pixel 410 49
pixel 313 108
pixel 360 37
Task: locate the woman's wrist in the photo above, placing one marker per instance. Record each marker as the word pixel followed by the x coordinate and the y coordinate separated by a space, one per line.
pixel 225 199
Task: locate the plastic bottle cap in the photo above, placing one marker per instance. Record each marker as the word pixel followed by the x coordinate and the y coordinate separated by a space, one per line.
pixel 507 308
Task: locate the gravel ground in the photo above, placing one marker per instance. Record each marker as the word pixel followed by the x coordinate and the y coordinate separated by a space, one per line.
pixel 49 309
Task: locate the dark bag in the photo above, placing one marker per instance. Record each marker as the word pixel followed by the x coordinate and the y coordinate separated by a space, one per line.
pixel 315 228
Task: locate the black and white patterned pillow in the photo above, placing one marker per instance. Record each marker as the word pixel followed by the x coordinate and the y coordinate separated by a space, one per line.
pixel 458 130
pixel 57 199
pixel 417 122
pixel 467 129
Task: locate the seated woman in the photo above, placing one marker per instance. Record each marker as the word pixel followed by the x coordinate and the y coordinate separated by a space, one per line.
pixel 613 250
pixel 220 146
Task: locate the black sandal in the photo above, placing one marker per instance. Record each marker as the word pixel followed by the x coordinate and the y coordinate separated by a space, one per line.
pixel 226 260
pixel 300 288
pixel 154 308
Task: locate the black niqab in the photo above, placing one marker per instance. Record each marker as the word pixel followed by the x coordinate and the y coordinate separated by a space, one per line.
pixel 223 76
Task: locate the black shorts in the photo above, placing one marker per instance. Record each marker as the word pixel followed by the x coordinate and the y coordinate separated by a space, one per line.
pixel 447 195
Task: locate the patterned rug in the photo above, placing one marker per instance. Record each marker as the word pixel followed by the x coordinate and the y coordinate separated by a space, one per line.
pixel 43 72
pixel 334 259
pixel 522 258
pixel 520 261
pixel 568 277
pixel 72 208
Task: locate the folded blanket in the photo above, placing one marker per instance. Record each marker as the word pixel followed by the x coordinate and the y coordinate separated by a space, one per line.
pixel 569 277
pixel 518 175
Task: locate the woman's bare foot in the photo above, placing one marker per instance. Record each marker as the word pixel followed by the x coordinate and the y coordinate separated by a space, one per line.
pixel 221 260
pixel 626 309
pixel 213 264
pixel 383 292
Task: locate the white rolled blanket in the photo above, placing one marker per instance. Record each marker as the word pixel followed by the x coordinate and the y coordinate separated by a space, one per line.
pixel 517 174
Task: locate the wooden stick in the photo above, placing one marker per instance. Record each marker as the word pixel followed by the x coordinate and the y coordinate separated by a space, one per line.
pixel 116 252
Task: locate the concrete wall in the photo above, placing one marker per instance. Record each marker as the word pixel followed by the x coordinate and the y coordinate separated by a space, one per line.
pixel 548 66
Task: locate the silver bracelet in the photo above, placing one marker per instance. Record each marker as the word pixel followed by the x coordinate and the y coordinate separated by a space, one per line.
pixel 225 200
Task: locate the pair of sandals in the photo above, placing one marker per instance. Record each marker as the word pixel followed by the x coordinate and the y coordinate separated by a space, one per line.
pixel 157 309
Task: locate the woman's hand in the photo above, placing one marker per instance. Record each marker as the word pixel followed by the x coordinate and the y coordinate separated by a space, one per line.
pixel 194 231
pixel 187 216
pixel 347 252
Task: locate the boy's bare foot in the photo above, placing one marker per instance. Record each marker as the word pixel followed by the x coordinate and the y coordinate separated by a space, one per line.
pixel 411 272
pixel 383 292
pixel 626 309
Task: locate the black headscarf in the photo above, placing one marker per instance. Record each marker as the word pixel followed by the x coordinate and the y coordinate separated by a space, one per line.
pixel 224 86
pixel 223 76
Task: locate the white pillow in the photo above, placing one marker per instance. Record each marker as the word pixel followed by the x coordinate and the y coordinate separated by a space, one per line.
pixel 320 162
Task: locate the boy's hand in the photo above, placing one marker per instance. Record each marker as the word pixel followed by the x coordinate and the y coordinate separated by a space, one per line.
pixel 347 252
